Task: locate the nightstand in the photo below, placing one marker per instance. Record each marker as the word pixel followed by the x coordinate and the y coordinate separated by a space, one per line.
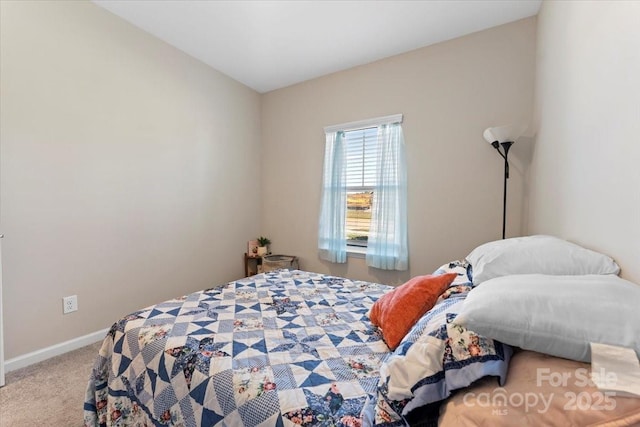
pixel 251 264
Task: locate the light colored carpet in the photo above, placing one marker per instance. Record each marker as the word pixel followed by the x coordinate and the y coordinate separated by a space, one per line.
pixel 49 393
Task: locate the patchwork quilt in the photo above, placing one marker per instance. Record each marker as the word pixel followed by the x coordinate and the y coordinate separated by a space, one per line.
pixel 282 348
pixel 285 348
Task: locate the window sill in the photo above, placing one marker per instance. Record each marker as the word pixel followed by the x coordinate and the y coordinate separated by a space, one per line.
pixel 356 252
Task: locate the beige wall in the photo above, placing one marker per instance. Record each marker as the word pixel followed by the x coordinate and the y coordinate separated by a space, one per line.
pixel 585 175
pixel 449 93
pixel 129 171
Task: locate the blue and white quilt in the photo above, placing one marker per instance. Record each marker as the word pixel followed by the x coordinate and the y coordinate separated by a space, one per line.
pixel 283 348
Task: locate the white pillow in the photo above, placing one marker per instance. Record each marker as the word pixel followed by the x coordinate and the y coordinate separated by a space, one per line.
pixel 536 254
pixel 557 315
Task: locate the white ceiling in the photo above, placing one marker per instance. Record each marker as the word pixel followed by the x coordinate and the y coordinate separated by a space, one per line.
pixel 272 44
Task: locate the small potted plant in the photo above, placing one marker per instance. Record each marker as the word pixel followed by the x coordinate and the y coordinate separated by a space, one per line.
pixel 262 245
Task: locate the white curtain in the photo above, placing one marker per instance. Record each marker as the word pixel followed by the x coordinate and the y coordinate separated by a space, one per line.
pixel 332 241
pixel 387 247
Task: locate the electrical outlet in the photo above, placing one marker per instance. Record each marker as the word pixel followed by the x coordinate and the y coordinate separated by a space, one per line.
pixel 69 304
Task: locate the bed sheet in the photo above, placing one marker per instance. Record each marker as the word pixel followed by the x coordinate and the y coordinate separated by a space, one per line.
pixel 540 391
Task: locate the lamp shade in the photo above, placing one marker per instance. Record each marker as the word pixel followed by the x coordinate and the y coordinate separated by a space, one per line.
pixel 503 133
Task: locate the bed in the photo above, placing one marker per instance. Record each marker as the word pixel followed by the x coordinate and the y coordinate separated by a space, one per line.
pixel 278 348
pixel 291 347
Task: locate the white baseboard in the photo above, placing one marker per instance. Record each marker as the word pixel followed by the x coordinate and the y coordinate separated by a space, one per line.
pixel 54 350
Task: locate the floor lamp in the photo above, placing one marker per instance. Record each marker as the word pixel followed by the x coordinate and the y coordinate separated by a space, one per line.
pixel 502 138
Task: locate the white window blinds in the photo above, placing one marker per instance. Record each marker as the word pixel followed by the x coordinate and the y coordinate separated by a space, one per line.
pixel 362 153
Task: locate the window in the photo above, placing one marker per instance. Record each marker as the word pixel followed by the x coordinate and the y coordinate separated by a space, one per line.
pixel 364 193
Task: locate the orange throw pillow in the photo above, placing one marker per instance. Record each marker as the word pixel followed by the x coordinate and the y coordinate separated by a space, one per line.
pixel 397 311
